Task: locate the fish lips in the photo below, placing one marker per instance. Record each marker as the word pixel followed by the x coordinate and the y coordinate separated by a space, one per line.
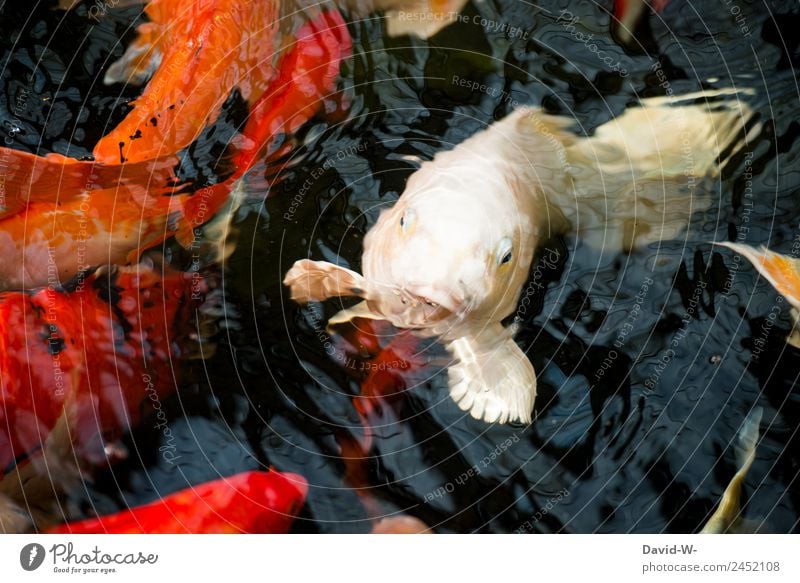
pixel 431 304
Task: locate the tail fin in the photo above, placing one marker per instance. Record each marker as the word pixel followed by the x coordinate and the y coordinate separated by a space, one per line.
pixel 636 180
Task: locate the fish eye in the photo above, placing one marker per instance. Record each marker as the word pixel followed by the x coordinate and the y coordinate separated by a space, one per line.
pixel 407 219
pixel 505 251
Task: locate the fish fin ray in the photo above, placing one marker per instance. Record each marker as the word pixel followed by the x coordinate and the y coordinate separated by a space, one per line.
pixel 360 310
pixel 316 281
pixel 492 378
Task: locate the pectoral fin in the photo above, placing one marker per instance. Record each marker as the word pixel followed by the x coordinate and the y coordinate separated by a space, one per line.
pixel 316 281
pixel 492 379
pixel 360 310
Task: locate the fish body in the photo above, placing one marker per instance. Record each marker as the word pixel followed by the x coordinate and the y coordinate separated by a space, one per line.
pixel 194 54
pixel 250 503
pixel 629 13
pixel 96 354
pixel 449 259
pixel 63 216
pixel 782 272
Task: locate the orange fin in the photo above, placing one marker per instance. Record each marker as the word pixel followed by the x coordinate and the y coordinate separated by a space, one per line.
pixel 781 271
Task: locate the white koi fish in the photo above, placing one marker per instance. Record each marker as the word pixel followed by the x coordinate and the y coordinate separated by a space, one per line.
pixel 449 259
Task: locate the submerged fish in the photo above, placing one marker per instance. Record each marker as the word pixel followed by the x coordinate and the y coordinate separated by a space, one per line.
pixel 80 367
pixel 384 370
pixel 194 54
pixel 62 216
pixel 450 258
pixel 103 354
pixel 421 18
pixel 629 13
pixel 782 272
pixel 249 503
pixel 727 516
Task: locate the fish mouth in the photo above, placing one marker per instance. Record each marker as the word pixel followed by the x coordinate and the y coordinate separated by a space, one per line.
pixel 417 296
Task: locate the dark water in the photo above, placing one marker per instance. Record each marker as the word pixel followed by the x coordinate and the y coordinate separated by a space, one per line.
pixel 620 444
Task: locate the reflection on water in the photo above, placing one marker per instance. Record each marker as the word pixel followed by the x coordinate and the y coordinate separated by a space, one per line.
pixel 647 363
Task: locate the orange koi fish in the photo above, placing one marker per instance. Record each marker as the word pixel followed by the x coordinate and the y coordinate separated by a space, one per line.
pixel 251 503
pixel 195 53
pixel 782 272
pixel 63 216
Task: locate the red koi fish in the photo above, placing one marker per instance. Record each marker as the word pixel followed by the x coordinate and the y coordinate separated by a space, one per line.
pixel 102 354
pixel 251 503
pixel 381 386
pixel 629 13
pixel 63 216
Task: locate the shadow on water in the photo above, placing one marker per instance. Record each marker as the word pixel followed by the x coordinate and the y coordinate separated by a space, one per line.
pixel 647 363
